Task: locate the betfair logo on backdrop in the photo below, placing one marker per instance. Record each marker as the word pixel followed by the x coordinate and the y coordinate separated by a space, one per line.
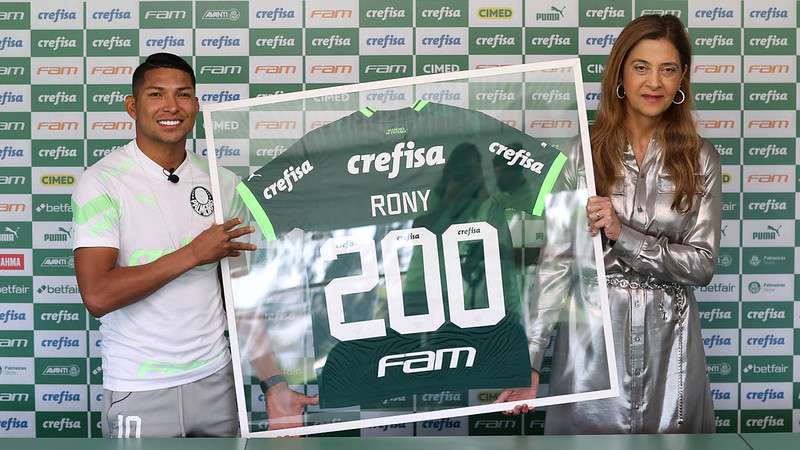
pixel 766 369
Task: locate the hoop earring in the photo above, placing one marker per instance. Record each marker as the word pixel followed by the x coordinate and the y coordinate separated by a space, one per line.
pixel 683 97
pixel 620 96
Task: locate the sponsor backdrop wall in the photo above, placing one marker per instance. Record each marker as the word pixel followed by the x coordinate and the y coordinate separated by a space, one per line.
pixel 65 67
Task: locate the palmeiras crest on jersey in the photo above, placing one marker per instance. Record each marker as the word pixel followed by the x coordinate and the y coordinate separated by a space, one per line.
pixel 201 201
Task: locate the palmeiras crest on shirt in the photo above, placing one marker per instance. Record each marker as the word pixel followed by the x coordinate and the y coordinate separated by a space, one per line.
pixel 201 201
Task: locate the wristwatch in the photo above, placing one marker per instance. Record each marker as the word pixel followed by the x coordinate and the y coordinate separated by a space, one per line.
pixel 271 381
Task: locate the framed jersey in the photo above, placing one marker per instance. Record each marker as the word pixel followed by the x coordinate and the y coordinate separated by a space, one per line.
pixel 417 241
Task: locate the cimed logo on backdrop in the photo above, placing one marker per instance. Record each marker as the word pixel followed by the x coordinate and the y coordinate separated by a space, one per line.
pixel 201 201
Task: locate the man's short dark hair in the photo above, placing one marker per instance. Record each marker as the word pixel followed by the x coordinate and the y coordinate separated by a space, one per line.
pixel 160 60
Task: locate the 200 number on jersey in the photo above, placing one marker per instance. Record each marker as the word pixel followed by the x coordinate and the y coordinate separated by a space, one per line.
pixel 435 317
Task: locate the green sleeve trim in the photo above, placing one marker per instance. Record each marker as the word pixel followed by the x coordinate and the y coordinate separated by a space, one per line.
pixel 257 211
pixel 547 184
pixel 419 105
pixel 367 111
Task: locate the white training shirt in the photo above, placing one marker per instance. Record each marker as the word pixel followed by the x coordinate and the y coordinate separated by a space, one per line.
pixel 175 335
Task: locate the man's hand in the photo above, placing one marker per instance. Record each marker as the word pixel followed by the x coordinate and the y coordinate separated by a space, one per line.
pixel 285 407
pixel 526 393
pixel 216 242
pixel 602 215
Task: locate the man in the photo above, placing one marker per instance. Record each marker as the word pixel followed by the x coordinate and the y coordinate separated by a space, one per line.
pixel 146 258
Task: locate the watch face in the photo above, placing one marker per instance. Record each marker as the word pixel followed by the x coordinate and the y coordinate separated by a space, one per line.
pixel 201 201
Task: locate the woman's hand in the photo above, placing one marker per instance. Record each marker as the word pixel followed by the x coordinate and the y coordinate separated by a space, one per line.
pixel 601 214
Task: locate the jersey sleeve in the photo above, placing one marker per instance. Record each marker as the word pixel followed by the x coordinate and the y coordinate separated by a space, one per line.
pixel 95 214
pixel 271 193
pixel 528 167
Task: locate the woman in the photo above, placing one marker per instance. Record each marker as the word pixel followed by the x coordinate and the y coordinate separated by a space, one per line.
pixel 658 210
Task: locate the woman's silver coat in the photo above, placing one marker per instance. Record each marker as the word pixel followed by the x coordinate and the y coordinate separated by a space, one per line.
pixel 660 358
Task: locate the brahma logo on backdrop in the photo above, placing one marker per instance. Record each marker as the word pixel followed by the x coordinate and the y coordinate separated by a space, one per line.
pixel 744 88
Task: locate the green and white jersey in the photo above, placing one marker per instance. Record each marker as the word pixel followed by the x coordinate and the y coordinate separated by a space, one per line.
pixel 407 259
pixel 174 335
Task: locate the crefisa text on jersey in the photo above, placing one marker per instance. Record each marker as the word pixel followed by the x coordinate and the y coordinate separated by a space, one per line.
pixel 291 175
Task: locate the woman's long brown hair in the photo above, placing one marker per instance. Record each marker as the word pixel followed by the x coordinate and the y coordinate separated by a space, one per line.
pixel 676 134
